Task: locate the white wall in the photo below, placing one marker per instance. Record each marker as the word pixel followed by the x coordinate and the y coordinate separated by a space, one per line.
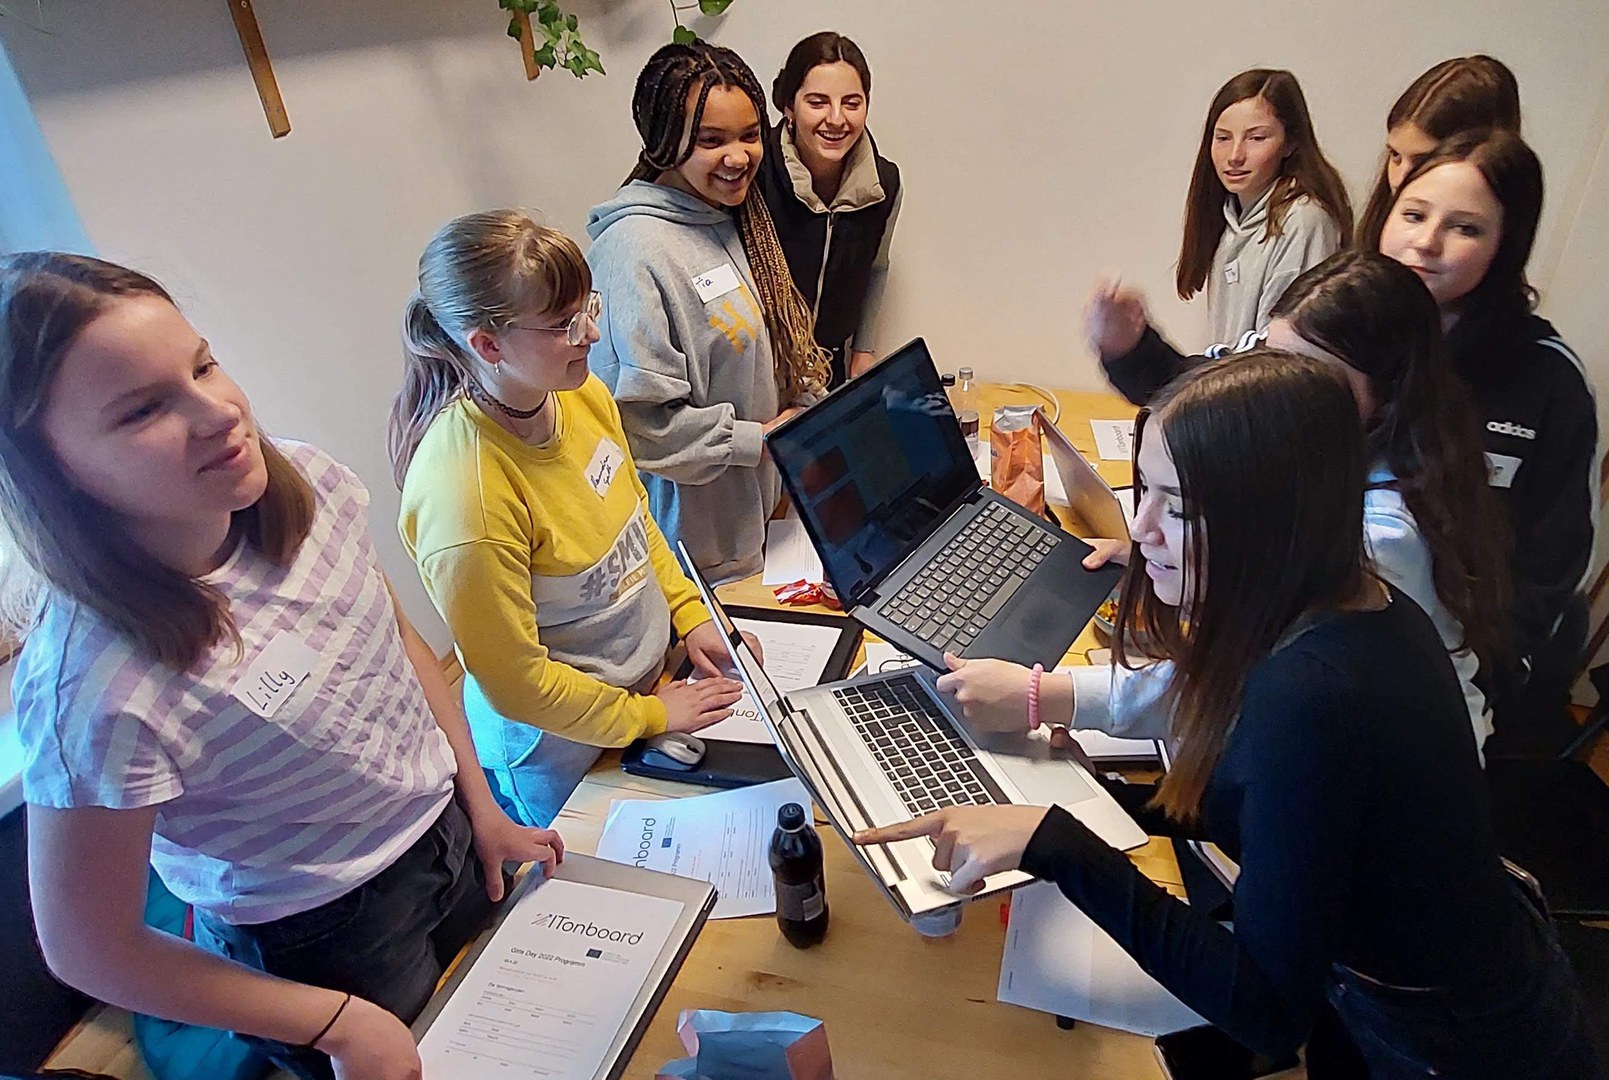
pixel 1042 142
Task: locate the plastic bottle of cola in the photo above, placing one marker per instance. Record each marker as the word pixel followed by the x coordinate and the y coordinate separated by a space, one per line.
pixel 796 869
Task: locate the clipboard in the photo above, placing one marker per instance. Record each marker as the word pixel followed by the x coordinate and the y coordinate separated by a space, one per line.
pixel 738 764
pixel 696 897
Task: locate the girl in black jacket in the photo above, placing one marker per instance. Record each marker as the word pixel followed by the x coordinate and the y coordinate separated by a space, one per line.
pixel 1465 220
pixel 833 197
pixel 1320 738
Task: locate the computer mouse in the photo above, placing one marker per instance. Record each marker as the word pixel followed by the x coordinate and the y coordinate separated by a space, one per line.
pixel 673 750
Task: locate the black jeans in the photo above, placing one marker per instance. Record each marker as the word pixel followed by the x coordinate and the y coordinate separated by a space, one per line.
pixel 1537 1028
pixel 388 940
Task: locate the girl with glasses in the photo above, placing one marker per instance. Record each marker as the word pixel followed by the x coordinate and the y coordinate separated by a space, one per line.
pixel 522 507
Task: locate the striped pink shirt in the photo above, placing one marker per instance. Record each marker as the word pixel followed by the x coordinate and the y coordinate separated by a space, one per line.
pixel 259 817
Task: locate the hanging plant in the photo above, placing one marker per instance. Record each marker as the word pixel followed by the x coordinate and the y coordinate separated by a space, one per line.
pixel 553 35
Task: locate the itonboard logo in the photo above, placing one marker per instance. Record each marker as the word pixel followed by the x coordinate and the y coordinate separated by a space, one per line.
pixel 566 925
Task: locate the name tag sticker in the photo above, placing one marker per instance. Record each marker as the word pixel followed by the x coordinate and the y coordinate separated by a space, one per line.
pixel 279 669
pixel 1500 469
pixel 716 282
pixel 1232 274
pixel 605 463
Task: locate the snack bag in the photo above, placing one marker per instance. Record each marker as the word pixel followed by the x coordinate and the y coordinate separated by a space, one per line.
pixel 1018 469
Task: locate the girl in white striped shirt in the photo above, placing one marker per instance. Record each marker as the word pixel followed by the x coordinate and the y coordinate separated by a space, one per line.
pixel 218 681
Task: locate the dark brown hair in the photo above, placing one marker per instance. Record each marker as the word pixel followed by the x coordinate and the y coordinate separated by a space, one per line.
pixel 827 47
pixel 1266 523
pixel 1514 175
pixel 480 271
pixel 56 539
pixel 659 106
pixel 1467 93
pixel 1304 172
pixel 1375 315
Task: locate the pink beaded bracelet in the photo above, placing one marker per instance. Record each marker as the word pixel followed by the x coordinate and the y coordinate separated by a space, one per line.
pixel 1033 697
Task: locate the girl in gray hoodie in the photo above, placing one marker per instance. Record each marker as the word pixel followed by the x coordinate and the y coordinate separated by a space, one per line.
pixel 1264 203
pixel 706 343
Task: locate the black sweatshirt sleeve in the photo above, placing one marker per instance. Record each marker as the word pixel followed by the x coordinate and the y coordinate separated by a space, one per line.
pixel 1148 367
pixel 1553 505
pixel 1261 982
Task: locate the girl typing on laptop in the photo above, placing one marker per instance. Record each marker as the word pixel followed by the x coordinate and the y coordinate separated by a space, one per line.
pixel 1321 739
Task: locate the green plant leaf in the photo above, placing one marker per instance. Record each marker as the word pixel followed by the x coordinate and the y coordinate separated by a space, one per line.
pixel 713 7
pixel 572 22
pixel 545 57
pixel 513 28
pixel 549 14
pixel 683 36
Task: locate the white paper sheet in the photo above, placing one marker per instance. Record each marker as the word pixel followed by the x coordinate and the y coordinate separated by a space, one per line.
pixel 722 839
pixel 1114 439
pixel 796 656
pixel 1058 961
pixel 789 555
pixel 881 657
pixel 553 987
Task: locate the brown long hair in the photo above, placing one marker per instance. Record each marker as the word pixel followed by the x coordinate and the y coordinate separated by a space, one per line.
pixel 1279 533
pixel 658 106
pixel 1466 93
pixel 1376 316
pixel 1514 174
pixel 54 538
pixel 480 271
pixel 1305 171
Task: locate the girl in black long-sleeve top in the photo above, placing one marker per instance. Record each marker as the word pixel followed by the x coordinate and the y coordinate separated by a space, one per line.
pixel 1321 739
pixel 1465 219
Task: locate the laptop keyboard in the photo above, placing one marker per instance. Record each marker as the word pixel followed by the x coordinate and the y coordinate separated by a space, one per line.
pixel 953 598
pixel 928 763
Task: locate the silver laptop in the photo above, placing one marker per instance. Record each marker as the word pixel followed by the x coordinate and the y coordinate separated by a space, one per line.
pixel 1088 494
pixel 881 749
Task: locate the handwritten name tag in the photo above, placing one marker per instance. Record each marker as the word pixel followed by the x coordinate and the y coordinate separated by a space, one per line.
pixel 282 666
pixel 716 282
pixel 605 463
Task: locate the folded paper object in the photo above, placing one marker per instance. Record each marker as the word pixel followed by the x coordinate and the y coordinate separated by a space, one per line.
pixel 750 1046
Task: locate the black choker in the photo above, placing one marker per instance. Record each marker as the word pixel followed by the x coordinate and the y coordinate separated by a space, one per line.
pixel 508 410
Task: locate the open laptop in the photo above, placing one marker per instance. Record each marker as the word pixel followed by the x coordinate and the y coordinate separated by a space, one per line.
pixel 917 548
pixel 1090 497
pixel 881 749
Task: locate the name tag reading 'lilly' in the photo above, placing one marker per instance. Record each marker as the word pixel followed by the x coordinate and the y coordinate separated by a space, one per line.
pixel 282 666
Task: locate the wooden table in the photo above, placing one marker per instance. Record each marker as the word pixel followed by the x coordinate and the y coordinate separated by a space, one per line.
pixel 895 1004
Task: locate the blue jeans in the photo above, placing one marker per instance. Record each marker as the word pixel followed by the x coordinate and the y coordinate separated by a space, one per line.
pixel 387 941
pixel 1537 1027
pixel 532 772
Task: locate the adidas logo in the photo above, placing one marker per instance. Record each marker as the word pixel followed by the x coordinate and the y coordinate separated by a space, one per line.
pixel 1503 427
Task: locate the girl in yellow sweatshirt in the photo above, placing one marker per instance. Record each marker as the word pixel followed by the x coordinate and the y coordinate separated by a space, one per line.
pixel 522 507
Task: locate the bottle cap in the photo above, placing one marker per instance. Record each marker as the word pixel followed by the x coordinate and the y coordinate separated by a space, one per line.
pixel 790 816
pixel 966 374
pixel 947 379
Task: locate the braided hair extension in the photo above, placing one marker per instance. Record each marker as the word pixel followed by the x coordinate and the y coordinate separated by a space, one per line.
pixel 658 107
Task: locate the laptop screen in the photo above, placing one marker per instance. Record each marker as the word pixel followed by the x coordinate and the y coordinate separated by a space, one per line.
pixel 875 468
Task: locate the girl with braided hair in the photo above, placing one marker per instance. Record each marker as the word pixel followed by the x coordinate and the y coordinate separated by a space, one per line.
pixel 704 340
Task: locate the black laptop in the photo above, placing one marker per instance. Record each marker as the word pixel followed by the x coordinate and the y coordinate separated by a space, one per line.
pixel 918 549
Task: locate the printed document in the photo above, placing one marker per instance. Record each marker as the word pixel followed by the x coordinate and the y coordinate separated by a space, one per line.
pixel 553 987
pixel 1114 439
pixel 789 555
pixel 723 839
pixel 1057 961
pixel 796 656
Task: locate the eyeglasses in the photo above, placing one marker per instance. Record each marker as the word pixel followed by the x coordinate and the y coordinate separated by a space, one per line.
pixel 574 331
